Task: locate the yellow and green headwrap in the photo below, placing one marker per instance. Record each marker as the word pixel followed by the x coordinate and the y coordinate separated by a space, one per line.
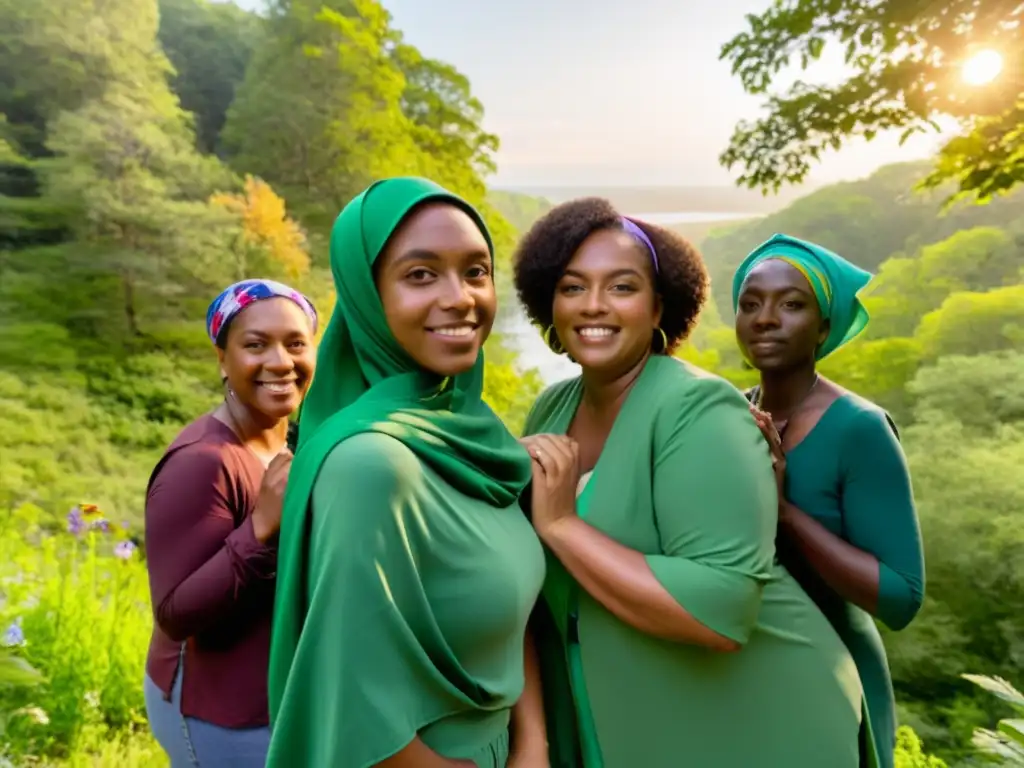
pixel 835 281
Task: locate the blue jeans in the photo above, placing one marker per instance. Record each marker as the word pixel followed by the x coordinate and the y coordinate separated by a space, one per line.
pixel 192 743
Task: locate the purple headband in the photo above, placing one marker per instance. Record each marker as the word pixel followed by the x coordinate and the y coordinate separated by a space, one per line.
pixel 631 228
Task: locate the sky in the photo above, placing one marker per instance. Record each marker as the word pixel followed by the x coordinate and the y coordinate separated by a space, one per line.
pixel 612 92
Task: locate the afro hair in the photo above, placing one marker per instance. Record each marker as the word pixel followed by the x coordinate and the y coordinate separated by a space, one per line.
pixel 545 251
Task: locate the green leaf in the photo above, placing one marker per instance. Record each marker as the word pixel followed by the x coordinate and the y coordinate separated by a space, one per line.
pixel 1014 729
pixel 15 671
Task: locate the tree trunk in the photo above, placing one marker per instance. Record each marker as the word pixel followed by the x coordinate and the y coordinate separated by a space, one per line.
pixel 128 284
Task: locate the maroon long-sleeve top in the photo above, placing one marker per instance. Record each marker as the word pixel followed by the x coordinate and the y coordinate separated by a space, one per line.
pixel 211 581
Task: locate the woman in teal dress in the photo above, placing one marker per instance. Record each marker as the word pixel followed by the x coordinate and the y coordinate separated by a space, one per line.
pixel 406 572
pixel 848 528
pixel 668 634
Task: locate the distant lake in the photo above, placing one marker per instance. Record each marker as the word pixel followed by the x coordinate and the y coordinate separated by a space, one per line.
pixel 526 339
pixel 690 217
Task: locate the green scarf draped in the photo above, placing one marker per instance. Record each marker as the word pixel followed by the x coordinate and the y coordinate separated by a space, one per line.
pixel 366 382
pixel 835 281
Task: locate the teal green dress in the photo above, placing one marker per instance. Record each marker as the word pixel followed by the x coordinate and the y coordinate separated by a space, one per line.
pixel 850 475
pixel 685 478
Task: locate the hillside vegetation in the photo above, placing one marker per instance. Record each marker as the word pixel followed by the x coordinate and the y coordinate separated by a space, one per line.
pixel 132 189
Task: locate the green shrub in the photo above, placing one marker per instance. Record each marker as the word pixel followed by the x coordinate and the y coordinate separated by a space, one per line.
pixel 910 752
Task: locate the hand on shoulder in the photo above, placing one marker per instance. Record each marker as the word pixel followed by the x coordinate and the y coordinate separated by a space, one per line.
pixel 556 473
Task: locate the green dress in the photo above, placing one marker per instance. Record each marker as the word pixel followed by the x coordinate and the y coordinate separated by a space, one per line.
pixel 850 475
pixel 685 478
pixel 426 578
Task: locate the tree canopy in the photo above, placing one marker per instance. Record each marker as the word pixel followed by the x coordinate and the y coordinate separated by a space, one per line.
pixel 905 61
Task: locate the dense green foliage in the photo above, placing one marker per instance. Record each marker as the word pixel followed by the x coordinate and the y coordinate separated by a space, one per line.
pixel 903 61
pixel 120 228
pixel 151 154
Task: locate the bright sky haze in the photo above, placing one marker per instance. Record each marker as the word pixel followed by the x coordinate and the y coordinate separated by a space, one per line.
pixel 606 92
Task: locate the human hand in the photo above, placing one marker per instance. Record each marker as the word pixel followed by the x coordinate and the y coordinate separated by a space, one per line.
pixel 556 472
pixel 266 516
pixel 771 435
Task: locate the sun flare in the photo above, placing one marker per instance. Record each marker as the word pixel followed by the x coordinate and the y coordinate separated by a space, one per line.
pixel 982 68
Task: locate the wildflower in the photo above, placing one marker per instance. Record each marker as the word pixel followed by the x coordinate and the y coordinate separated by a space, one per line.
pixel 75 522
pixel 124 550
pixel 101 525
pixel 14 635
pixel 90 512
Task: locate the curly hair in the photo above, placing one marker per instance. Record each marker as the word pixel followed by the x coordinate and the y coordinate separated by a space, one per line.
pixel 547 248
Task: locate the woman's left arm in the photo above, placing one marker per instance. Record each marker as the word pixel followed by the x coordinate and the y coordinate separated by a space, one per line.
pixel 529 732
pixel 880 564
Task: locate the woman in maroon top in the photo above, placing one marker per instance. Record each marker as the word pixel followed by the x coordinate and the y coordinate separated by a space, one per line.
pixel 212 514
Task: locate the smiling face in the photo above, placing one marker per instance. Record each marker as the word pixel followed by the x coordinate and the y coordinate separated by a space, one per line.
pixel 436 286
pixel 268 358
pixel 778 321
pixel 605 307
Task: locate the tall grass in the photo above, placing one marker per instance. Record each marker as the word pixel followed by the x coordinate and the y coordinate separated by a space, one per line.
pixel 74 604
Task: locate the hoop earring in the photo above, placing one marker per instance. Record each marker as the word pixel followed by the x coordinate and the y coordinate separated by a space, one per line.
pixel 560 350
pixel 664 341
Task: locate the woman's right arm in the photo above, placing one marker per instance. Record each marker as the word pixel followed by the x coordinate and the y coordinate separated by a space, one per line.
pixel 879 565
pixel 716 511
pixel 201 567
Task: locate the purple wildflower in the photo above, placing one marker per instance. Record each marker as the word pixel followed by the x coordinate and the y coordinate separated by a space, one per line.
pixel 124 550
pixel 13 635
pixel 102 525
pixel 75 522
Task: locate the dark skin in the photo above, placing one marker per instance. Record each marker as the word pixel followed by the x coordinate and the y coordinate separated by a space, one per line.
pixel 605 312
pixel 436 285
pixel 779 326
pixel 268 359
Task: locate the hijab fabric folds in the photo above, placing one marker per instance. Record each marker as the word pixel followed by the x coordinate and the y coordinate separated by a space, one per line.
pixel 366 382
pixel 835 281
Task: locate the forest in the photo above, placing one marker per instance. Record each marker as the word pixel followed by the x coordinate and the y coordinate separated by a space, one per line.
pixel 152 152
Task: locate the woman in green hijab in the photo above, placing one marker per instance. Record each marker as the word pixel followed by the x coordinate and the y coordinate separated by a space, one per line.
pixel 406 571
pixel 668 634
pixel 848 528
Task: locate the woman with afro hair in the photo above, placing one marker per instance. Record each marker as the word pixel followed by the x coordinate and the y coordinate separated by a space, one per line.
pixel 668 634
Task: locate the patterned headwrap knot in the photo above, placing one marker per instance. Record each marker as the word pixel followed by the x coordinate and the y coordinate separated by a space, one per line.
pixel 237 297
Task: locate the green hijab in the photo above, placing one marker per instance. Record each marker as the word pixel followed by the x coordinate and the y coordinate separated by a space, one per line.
pixel 366 382
pixel 835 281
